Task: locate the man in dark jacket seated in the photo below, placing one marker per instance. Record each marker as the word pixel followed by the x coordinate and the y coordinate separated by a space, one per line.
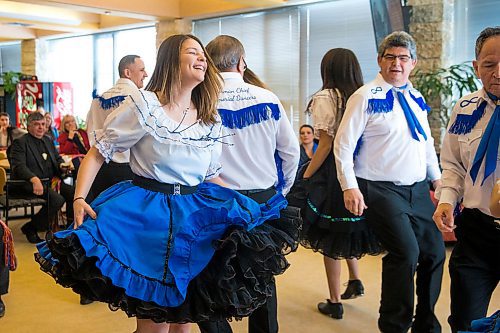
pixel 32 158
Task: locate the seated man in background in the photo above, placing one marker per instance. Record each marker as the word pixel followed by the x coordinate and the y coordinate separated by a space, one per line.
pixel 32 158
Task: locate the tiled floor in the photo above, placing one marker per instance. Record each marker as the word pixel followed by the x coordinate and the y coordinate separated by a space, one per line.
pixel 36 304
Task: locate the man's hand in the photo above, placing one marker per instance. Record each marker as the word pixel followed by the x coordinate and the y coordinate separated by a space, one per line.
pixel 443 217
pixel 354 201
pixel 37 186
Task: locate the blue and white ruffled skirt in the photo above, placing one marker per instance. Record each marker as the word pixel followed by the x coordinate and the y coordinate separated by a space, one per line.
pixel 174 258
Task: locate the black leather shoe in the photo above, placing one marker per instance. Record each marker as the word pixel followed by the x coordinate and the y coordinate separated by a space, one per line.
pixel 334 310
pixel 85 301
pixel 31 234
pixel 2 309
pixel 354 289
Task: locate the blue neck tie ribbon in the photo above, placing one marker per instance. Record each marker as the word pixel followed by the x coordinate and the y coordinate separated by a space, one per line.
pixel 488 147
pixel 411 119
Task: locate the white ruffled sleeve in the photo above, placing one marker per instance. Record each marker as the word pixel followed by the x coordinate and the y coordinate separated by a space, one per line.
pixel 324 110
pixel 122 128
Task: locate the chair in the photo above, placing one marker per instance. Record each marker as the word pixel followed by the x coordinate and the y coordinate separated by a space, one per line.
pixel 11 199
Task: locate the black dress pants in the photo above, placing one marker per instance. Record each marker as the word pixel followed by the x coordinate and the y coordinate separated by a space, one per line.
pixel 40 221
pixel 401 217
pixel 265 318
pixel 474 267
pixel 4 270
pixel 109 174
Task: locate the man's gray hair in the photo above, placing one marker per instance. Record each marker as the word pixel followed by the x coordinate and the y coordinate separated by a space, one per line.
pixel 34 116
pixel 484 35
pixel 398 39
pixel 225 52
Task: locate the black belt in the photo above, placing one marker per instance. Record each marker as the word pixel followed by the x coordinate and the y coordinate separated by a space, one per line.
pixel 111 163
pixel 260 196
pixel 154 185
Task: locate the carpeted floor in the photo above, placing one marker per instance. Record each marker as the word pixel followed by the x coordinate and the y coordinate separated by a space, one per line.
pixel 35 304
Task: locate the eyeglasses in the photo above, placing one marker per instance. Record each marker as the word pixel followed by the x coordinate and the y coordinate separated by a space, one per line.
pixel 244 64
pixel 392 57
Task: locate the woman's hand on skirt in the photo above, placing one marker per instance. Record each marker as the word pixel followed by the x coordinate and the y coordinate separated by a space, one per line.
pixel 80 208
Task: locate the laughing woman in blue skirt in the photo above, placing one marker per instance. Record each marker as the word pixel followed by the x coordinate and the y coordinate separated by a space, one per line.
pixel 170 246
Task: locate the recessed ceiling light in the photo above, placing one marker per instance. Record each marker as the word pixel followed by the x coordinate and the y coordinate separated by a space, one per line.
pixel 107 12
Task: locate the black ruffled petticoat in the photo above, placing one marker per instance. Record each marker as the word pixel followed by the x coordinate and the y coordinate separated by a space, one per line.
pixel 235 283
pixel 328 227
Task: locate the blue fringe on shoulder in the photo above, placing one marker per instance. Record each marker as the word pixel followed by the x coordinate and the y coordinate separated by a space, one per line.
pixel 420 102
pixel 250 115
pixel 376 105
pixel 108 103
pixel 466 122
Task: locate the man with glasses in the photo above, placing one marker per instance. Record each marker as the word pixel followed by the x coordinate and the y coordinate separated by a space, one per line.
pixel 385 157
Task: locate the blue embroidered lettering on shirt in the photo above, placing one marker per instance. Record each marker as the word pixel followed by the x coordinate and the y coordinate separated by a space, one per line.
pixel 375 90
pixel 464 123
pixel 250 115
pixel 108 103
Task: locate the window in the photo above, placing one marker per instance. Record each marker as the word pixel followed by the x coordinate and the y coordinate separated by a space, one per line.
pixel 285 47
pixel 71 60
pixel 471 17
pixel 91 62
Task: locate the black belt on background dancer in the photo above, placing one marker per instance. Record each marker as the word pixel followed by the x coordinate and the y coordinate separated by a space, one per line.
pixel 260 196
pixel 154 185
pixel 116 164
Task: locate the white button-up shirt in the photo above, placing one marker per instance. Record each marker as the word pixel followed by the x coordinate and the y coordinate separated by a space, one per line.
pixel 97 114
pixel 457 156
pixel 387 150
pixel 248 161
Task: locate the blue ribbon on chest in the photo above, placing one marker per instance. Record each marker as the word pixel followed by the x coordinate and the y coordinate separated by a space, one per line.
pixel 386 105
pixel 488 147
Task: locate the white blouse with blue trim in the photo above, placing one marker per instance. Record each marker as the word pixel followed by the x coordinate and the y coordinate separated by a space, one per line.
pixel 161 148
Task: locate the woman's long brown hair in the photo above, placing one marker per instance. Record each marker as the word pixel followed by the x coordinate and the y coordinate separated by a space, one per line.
pixel 166 78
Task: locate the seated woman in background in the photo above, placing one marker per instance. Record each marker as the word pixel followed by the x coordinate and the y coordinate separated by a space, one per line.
pixel 72 140
pixel 51 130
pixel 307 144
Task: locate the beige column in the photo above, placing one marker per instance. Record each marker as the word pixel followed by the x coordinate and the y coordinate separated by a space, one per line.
pixel 28 56
pixel 167 28
pixel 431 24
pixel 33 58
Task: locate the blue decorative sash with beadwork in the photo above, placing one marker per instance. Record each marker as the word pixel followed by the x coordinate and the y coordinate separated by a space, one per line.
pixel 108 103
pixel 464 123
pixel 377 105
pixel 253 114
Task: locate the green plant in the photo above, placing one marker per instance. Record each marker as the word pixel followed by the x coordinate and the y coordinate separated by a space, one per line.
pixel 10 79
pixel 443 87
